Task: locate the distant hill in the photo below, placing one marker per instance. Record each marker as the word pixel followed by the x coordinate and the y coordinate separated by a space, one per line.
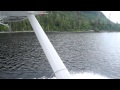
pixel 77 21
pixel 71 21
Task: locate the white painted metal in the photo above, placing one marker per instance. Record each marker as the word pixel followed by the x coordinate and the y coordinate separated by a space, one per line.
pixel 16 16
pixel 20 13
pixel 56 63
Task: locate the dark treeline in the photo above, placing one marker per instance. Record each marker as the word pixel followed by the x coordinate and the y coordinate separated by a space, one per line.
pixel 68 21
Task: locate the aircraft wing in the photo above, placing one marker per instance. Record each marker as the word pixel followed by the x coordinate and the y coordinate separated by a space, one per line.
pixel 16 16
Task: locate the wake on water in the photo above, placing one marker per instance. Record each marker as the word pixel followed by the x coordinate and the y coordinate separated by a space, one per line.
pixel 84 75
pixel 88 76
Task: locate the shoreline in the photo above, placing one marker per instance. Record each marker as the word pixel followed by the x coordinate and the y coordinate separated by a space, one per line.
pixel 62 32
pixel 17 32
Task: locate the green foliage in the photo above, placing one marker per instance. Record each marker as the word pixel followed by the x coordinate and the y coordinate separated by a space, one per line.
pixel 69 21
pixel 3 28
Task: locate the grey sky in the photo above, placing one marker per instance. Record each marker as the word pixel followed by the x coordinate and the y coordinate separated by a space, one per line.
pixel 113 15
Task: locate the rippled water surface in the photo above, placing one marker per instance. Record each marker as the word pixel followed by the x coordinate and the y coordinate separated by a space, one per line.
pixel 21 55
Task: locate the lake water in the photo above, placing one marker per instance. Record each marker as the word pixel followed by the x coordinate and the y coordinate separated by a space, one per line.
pixel 84 54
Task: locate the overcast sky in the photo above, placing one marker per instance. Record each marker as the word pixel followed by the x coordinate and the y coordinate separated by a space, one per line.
pixel 113 15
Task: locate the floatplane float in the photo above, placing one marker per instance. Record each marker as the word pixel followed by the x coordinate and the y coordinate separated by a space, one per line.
pixel 60 71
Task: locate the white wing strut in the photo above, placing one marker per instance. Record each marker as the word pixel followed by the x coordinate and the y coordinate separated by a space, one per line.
pixel 56 63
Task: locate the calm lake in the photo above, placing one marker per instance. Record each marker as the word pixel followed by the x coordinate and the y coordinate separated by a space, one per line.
pixel 21 55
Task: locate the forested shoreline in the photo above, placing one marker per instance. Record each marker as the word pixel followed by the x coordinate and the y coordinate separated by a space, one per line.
pixel 68 21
